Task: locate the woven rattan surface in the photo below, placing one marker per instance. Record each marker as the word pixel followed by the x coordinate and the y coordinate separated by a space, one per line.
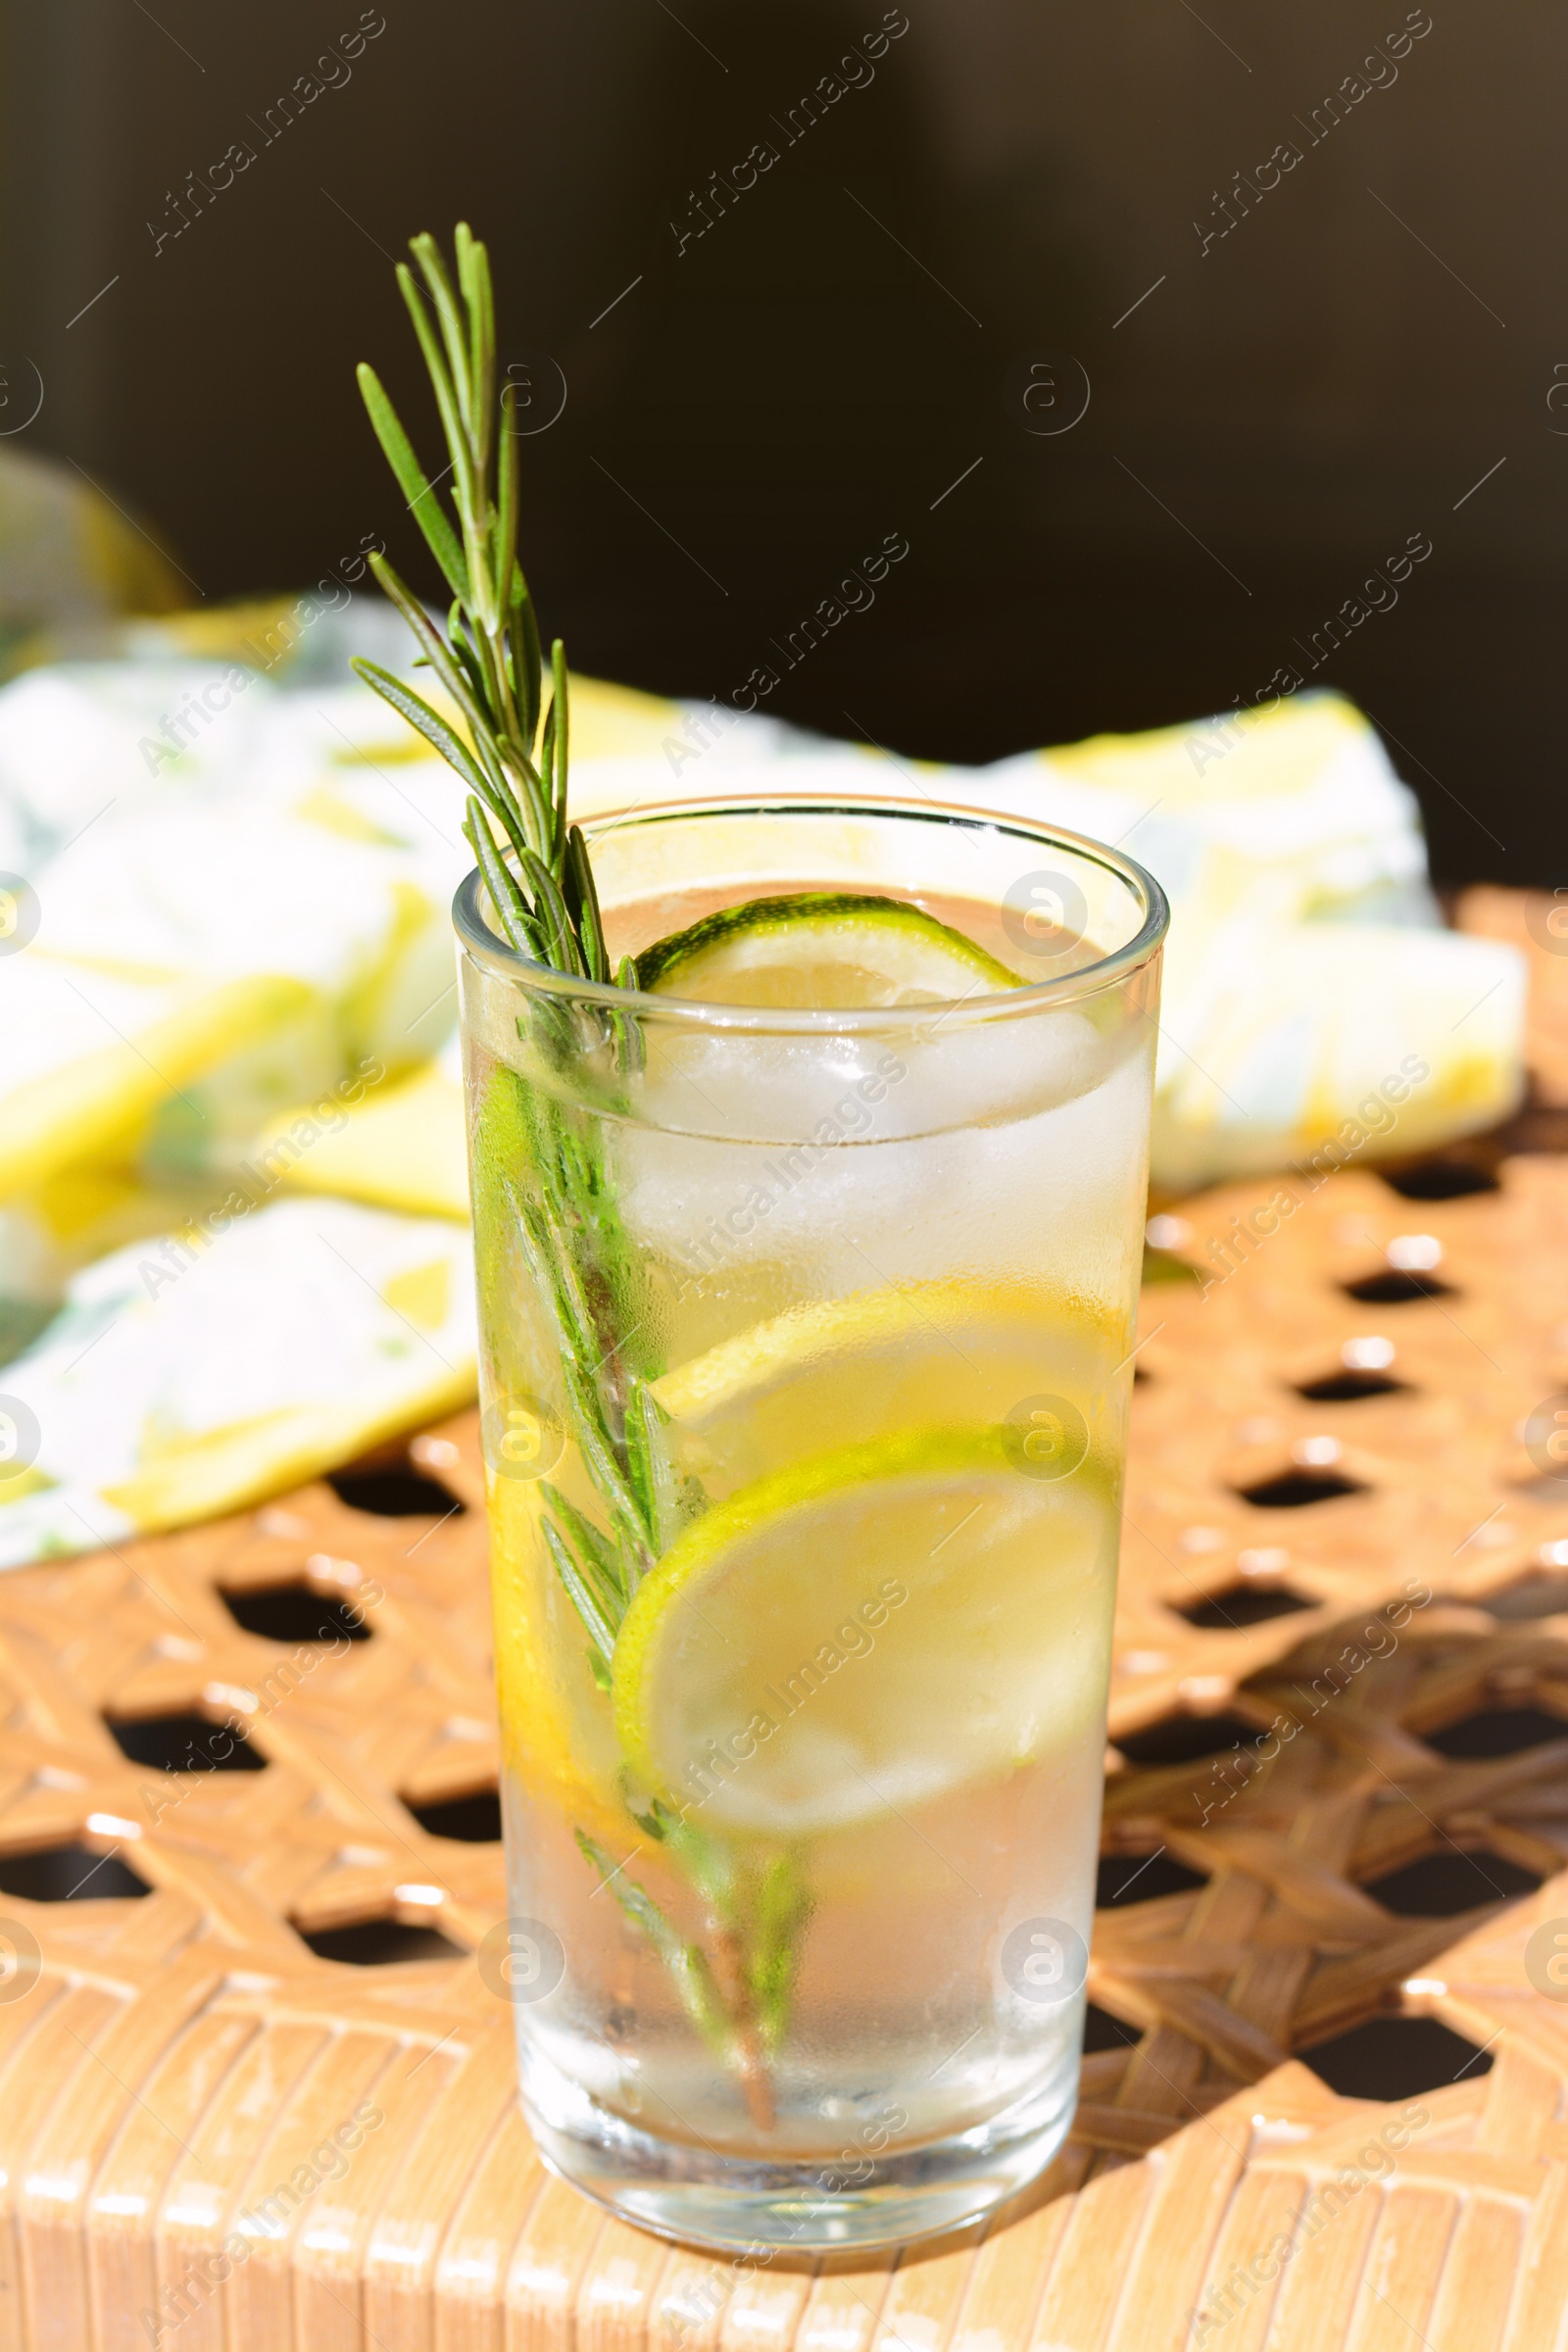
pixel 174 2066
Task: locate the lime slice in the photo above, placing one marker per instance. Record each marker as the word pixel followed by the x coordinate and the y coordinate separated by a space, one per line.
pixel 868 1631
pixel 947 1353
pixel 823 949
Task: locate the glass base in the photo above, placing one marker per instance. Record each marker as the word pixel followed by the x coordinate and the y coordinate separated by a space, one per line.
pixel 735 2204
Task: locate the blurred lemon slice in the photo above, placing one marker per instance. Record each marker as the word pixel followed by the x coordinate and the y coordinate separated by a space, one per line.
pixel 401 1148
pixel 823 949
pixel 867 1631
pixel 947 1353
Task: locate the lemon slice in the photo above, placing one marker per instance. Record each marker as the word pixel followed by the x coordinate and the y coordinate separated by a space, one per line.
pixel 945 1353
pixel 865 1632
pixel 825 949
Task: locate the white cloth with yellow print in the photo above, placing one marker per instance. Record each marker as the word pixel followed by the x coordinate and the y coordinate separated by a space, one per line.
pixel 188 1375
pixel 233 1019
pixel 1306 963
pixel 234 921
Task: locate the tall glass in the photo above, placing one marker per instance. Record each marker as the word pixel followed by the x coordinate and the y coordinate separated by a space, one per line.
pixel 806 1347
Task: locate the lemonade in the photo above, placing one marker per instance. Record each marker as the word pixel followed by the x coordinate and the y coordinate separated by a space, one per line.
pixel 807 1276
pixel 808 1148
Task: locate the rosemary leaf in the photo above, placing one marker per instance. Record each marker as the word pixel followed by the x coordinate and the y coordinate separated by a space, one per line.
pixel 628 1029
pixel 452 750
pixel 503 546
pixel 419 714
pixel 598 1320
pixel 528 778
pixel 582 1600
pixel 553 908
pixel 598 1460
pixel 708 1862
pixel 547 769
pixel 555 1280
pixel 548 1267
pixel 473 280
pixel 783 1906
pixel 648 1463
pixel 559 712
pixel 525 636
pixel 546 1139
pixel 592 1549
pixel 423 505
pixel 562 728
pixel 463 653
pixel 448 322
pixel 470 448
pixel 438 655
pixel 685 1964
pixel 464 487
pixel 515 917
pixel 590 922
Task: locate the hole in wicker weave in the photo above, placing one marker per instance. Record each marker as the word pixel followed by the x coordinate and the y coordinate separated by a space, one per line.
pixel 1103 2032
pixel 379 1943
pixel 1534 1596
pixel 1243 1604
pixel 475 1819
pixel 1181 1738
pixel 1395 2058
pixel 67 1874
pixel 398 1492
pixel 1497 1731
pixel 1349 1387
pixel 1448 1882
pixel 1443 1177
pixel 1294 1490
pixel 184 1743
pixel 1141 1879
pixel 1396 1286
pixel 294 1613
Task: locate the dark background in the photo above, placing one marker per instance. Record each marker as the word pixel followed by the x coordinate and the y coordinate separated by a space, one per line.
pixel 1376 336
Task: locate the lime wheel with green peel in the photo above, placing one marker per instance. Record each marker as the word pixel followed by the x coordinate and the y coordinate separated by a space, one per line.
pixel 822 951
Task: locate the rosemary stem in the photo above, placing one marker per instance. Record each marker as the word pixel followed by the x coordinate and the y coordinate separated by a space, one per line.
pixel 546 1202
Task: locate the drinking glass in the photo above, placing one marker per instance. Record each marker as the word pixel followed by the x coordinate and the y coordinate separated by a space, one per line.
pixel 806 1340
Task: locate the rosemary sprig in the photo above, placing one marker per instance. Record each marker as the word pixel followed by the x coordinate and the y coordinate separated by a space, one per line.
pixel 489 660
pixel 545 1202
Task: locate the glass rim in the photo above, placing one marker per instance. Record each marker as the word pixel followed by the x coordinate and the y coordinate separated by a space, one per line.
pixel 495 955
